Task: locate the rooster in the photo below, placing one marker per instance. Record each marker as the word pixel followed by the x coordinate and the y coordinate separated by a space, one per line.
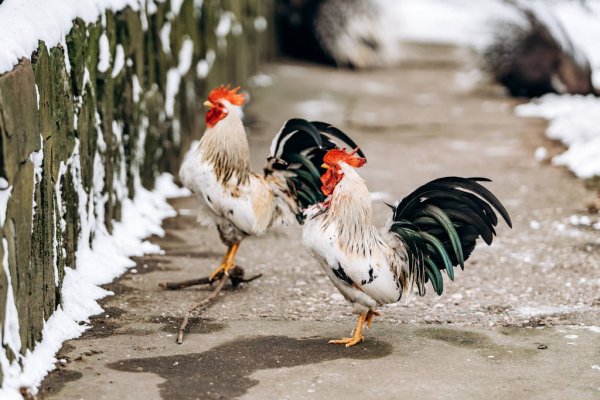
pixel 240 202
pixel 432 229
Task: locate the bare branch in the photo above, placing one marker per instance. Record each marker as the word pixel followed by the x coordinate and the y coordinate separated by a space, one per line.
pixel 236 275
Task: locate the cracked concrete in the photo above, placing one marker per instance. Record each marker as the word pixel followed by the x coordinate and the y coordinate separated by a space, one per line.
pixel 519 322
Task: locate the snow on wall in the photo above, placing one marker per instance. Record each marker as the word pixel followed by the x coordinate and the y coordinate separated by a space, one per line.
pixel 175 74
pixel 99 261
pixel 24 22
pixel 100 151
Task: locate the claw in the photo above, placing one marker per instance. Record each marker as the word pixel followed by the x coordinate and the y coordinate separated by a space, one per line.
pixel 348 341
pixel 357 335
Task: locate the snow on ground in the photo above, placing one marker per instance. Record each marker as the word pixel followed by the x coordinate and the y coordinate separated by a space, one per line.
pixel 574 120
pixel 535 311
pixel 98 264
pixel 22 24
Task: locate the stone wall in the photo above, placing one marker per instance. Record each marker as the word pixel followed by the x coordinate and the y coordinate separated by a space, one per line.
pixel 84 123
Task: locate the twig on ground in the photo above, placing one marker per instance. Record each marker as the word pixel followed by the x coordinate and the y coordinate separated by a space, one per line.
pixel 202 303
pixel 184 284
pixel 236 275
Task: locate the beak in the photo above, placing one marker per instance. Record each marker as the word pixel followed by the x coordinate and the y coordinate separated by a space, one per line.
pixel 208 104
pixel 324 166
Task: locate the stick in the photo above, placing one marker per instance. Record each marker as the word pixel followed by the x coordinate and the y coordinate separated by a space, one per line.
pixel 202 303
pixel 184 284
pixel 236 275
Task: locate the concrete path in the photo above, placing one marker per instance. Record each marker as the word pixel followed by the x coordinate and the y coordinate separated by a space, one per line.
pixel 519 323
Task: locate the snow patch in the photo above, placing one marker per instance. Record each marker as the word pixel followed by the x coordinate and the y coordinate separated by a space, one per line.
pixel 575 121
pixel 571 336
pixel 533 224
pixel 165 37
pixel 119 61
pixel 37 96
pixel 236 29
pixel 137 89
pixel 260 80
pixel 174 75
pixel 99 263
pixel 37 159
pixel 23 23
pixel 541 154
pixel 63 44
pixel 534 311
pixel 5 190
pixel 580 220
pixel 224 28
pixel 176 6
pixel 260 23
pixel 173 82
pixel 203 67
pixel 185 56
pixel 101 256
pixel 104 53
pixel 10 334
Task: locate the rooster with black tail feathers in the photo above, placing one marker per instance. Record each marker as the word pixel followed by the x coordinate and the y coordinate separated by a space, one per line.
pixel 239 201
pixel 433 229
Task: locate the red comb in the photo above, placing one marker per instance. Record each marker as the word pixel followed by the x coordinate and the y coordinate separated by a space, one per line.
pixel 224 93
pixel 334 156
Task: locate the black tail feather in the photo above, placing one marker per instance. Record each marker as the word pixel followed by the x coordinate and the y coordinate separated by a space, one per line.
pixel 440 222
pixel 298 149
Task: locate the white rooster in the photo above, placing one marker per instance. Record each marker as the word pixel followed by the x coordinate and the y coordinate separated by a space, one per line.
pixel 432 229
pixel 240 202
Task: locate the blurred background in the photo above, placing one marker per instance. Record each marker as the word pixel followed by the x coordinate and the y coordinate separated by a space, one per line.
pixel 531 48
pixel 100 100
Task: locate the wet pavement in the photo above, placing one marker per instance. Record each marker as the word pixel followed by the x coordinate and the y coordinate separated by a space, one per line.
pixel 520 322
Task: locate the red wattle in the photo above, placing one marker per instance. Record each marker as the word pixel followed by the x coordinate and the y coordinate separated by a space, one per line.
pixel 214 115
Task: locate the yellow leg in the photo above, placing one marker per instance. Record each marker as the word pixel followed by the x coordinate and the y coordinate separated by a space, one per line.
pixel 357 335
pixel 227 262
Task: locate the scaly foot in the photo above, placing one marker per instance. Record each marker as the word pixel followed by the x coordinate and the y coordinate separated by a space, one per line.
pixel 222 269
pixel 357 335
pixel 226 264
pixel 348 341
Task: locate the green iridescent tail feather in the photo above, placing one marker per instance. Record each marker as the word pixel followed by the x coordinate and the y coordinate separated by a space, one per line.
pixel 298 149
pixel 439 224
